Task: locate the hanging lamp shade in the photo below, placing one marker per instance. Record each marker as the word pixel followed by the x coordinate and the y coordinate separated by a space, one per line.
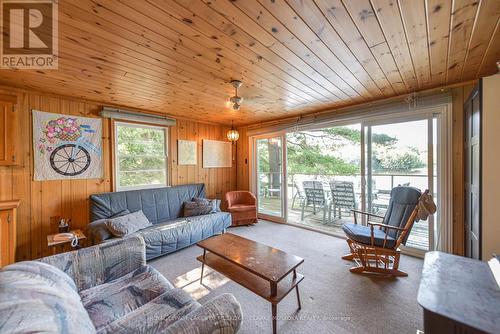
pixel 232 135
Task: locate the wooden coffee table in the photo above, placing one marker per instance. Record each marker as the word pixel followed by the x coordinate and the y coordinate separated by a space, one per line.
pixel 266 271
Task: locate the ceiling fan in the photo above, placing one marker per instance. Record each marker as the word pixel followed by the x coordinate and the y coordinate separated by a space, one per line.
pixel 236 100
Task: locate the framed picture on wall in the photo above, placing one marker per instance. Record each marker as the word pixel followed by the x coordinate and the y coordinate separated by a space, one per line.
pixel 186 152
pixel 217 154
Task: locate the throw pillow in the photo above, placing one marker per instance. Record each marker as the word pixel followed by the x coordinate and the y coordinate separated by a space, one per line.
pixel 127 224
pixel 215 203
pixel 100 230
pixel 197 208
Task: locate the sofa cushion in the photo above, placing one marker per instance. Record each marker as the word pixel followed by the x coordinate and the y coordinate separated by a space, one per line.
pixel 37 297
pixel 127 224
pixel 159 204
pixel 168 237
pixel 98 230
pixel 157 315
pixel 221 314
pixel 214 202
pixel 198 208
pixel 92 266
pixel 362 234
pixel 108 302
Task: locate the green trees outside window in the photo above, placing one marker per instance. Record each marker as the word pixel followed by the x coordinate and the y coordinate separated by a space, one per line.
pixel 141 157
pixel 316 152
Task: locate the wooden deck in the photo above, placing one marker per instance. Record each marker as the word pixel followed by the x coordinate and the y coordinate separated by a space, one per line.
pixel 418 238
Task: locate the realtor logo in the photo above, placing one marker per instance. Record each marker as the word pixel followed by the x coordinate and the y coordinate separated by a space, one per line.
pixel 29 34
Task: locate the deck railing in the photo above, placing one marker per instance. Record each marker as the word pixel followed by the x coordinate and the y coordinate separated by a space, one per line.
pixel 356 178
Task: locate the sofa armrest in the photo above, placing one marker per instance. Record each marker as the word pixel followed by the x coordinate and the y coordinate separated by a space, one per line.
pixel 221 314
pixel 99 264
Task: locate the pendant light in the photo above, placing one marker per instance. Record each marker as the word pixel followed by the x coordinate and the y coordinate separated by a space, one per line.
pixel 232 135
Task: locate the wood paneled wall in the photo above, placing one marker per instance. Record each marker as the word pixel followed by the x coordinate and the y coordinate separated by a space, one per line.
pixel 43 202
pixel 243 161
pixel 459 95
pixel 218 181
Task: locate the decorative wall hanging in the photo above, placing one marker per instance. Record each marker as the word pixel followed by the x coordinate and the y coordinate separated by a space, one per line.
pixel 186 152
pixel 66 147
pixel 216 154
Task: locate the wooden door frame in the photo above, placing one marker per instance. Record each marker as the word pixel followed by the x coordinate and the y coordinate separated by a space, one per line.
pixel 253 179
pixel 477 90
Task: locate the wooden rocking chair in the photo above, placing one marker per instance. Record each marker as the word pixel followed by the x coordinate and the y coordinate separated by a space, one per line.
pixel 375 248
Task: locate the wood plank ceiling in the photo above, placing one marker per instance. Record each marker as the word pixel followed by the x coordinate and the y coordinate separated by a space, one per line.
pixel 294 56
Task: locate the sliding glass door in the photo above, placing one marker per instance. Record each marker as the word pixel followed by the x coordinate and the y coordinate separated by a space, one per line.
pixel 401 153
pixel 270 175
pixel 314 177
pixel 324 176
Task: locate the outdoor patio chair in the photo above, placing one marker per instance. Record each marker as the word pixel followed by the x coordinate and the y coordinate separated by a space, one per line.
pixel 315 196
pixel 343 197
pixel 375 248
pixel 298 193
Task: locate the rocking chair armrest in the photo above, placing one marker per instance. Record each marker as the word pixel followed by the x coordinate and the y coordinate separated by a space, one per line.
pixel 387 226
pixel 366 214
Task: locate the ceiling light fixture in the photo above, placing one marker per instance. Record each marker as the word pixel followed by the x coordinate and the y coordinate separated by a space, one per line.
pixel 236 100
pixel 232 135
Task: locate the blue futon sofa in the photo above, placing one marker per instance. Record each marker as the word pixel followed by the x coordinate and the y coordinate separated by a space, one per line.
pixel 164 209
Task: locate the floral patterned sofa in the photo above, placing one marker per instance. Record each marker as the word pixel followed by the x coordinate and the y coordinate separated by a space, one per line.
pixel 105 289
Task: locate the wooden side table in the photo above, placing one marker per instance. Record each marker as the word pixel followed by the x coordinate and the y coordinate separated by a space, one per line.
pixel 54 245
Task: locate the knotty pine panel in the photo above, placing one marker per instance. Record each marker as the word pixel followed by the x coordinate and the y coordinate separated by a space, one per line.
pixel 44 202
pixel 293 56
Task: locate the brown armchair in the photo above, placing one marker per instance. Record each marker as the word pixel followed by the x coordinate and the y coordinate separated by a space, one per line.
pixel 243 207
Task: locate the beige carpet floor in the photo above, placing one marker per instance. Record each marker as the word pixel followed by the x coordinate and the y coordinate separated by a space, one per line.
pixel 333 299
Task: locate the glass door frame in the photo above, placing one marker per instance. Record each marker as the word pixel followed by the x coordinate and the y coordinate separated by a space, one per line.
pixel 442 111
pixel 254 177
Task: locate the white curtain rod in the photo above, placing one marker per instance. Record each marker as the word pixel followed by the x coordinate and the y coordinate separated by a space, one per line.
pixel 116 113
pixel 326 118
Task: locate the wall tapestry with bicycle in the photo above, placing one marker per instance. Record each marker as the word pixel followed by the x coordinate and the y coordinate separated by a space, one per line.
pixel 66 146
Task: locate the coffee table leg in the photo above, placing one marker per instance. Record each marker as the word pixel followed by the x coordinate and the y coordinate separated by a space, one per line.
pixel 274 311
pixel 203 265
pixel 298 296
pixel 297 288
pixel 274 292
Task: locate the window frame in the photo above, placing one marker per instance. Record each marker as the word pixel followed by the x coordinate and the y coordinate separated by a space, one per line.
pixel 115 156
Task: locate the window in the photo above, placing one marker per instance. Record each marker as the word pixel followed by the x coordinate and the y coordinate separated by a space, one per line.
pixel 140 156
